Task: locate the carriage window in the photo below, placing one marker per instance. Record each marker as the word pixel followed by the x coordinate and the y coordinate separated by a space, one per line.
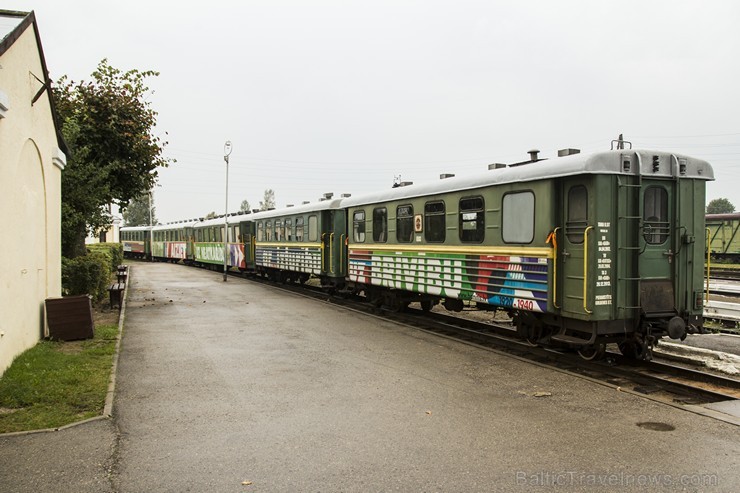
pixel 577 214
pixel 260 232
pixel 289 229
pixel 517 217
pixel 434 222
pixel 268 230
pixel 313 228
pixel 472 220
pixel 278 230
pixel 380 225
pixel 299 229
pixel 655 215
pixel 358 229
pixel 404 223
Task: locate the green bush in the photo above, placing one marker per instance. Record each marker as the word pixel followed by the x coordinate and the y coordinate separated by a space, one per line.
pixel 88 274
pixel 113 250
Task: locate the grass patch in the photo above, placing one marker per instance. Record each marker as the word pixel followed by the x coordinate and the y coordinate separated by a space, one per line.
pixel 57 383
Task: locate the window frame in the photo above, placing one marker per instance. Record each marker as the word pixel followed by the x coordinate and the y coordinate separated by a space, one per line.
pixel 575 226
pixel 480 220
pixel 313 228
pixel 358 226
pixel 405 223
pixel 656 229
pixel 430 220
pixel 518 213
pixel 380 215
pixel 299 227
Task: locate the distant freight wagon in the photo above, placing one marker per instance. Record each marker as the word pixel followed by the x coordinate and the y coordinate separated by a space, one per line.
pixel 724 236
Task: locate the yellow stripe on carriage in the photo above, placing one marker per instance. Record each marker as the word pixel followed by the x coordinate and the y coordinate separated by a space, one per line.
pixel 543 252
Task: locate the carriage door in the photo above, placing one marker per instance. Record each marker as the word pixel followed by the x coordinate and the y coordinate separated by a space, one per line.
pixel 574 293
pixel 327 243
pixel 658 257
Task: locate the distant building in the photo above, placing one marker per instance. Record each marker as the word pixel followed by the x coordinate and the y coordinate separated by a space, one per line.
pixel 110 235
pixel 31 164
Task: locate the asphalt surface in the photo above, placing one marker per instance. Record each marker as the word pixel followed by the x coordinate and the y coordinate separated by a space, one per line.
pixel 238 387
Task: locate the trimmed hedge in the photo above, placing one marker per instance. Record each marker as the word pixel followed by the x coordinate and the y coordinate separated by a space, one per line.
pixel 112 250
pixel 91 273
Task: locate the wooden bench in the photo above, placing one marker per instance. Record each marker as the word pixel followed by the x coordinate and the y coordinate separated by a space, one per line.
pixel 116 294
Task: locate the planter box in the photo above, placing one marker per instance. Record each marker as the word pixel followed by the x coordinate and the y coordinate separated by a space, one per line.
pixel 69 318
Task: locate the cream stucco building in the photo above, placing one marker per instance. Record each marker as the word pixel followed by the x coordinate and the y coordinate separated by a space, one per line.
pixel 31 164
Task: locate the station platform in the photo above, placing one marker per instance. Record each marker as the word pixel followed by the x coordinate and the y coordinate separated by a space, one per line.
pixel 237 386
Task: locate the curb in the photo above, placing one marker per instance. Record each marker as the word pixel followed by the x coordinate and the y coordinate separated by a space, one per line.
pixel 110 394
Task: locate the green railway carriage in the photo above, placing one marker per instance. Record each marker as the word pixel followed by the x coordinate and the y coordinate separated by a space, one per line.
pixel 581 250
pixel 723 232
pixel 295 243
pixel 173 242
pixel 208 243
pixel 136 241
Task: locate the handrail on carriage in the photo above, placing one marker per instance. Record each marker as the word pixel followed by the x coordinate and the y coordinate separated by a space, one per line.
pixel 585 269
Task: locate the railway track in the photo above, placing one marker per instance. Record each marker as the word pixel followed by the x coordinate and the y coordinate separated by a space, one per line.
pixel 657 380
pixel 723 273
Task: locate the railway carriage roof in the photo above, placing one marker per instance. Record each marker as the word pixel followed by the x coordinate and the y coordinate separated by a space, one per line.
pixel 294 211
pixel 136 228
pixel 609 162
pixel 178 225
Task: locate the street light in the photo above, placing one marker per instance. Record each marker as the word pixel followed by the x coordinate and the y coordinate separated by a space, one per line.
pixel 227 153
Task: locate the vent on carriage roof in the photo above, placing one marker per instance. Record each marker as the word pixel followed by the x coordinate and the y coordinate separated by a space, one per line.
pixel 405 183
pixel 346 195
pixel 446 175
pixel 288 205
pixel 496 166
pixel 306 202
pixel 328 196
pixel 568 152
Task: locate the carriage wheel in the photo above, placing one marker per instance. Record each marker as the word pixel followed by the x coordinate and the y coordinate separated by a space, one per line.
pixel 592 352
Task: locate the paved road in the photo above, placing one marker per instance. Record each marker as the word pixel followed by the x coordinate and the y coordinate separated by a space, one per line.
pixel 225 383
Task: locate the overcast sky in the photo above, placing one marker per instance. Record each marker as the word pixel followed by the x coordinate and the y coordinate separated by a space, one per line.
pixel 341 96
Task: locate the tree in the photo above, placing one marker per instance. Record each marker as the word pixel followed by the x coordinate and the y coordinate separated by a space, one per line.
pixel 245 206
pixel 720 206
pixel 108 125
pixel 137 212
pixel 269 200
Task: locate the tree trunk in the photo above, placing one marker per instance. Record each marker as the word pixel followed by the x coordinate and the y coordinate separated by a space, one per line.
pixel 73 241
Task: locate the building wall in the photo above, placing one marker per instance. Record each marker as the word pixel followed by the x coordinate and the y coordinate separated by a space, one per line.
pixel 30 199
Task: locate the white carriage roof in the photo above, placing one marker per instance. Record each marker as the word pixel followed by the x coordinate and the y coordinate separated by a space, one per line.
pixel 290 211
pixel 609 162
pixel 189 223
pixel 136 228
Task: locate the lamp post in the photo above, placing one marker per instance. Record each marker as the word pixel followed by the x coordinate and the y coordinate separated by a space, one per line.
pixel 227 153
pixel 151 232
